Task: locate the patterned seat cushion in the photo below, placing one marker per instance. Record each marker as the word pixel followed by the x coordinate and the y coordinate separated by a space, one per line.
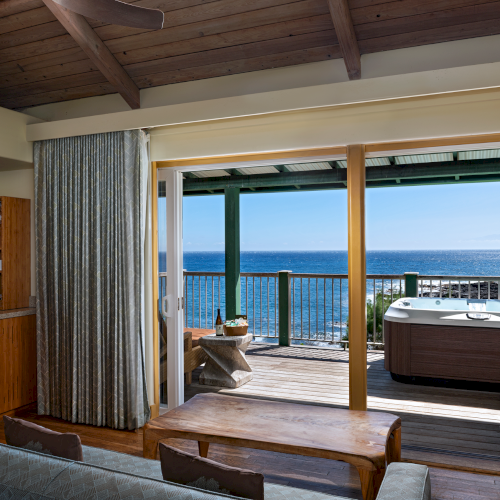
pixel 29 475
pixel 281 492
pixel 122 462
pixel 80 481
pixel 152 469
pixel 26 475
pixel 411 479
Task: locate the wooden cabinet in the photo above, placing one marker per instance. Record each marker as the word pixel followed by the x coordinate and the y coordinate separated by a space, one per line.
pixel 15 246
pixel 17 362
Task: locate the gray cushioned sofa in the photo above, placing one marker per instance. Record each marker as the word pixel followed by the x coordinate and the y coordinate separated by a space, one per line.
pixel 29 475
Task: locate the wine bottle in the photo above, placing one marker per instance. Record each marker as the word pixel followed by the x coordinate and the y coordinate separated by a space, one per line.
pixel 219 327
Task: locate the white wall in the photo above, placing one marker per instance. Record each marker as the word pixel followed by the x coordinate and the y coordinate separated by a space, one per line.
pixel 397 120
pixel 16 166
pixel 21 184
pixel 15 150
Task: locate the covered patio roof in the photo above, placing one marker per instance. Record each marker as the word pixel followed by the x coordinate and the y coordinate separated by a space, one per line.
pixel 391 171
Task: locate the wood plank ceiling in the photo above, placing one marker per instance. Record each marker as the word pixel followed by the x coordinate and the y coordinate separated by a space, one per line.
pixel 41 63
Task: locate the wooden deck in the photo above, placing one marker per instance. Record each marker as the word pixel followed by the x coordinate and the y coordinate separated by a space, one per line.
pixel 455 428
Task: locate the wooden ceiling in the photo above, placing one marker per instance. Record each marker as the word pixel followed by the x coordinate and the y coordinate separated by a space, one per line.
pixel 40 62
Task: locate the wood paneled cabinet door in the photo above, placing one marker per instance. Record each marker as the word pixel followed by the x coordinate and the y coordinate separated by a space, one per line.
pixel 15 246
pixel 17 362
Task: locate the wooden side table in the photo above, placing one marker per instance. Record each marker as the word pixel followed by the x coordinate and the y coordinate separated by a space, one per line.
pixel 226 365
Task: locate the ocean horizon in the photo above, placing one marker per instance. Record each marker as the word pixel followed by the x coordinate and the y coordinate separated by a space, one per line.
pixel 438 262
pixel 325 319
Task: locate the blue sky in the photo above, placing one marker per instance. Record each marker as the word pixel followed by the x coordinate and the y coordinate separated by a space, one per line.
pixel 447 217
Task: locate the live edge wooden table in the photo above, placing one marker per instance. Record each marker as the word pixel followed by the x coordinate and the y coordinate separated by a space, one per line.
pixel 368 440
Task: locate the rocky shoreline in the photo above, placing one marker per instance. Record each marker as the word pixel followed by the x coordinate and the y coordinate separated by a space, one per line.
pixel 464 291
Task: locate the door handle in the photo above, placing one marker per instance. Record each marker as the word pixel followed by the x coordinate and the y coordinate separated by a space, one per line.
pixel 166 308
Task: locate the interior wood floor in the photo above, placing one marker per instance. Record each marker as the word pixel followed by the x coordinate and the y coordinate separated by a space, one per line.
pixel 440 425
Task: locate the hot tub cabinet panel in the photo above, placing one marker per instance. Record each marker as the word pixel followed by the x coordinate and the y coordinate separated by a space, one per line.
pixel 397 347
pixel 445 352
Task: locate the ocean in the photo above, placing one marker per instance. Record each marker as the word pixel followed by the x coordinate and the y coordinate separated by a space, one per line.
pixel 446 262
pixel 322 314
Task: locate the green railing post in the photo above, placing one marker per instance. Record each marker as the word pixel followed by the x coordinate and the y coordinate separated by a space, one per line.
pixel 232 250
pixel 411 284
pixel 284 306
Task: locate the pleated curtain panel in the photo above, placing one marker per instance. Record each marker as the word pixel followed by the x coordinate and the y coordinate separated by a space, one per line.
pixel 90 277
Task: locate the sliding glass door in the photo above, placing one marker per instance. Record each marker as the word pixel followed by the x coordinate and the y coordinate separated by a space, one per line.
pixel 170 289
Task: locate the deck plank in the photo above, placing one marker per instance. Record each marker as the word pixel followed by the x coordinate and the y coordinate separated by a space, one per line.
pixel 453 427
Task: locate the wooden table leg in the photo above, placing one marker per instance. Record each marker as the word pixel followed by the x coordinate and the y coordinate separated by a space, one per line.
pixel 367 489
pixel 393 452
pixel 203 448
pixel 370 482
pixel 149 447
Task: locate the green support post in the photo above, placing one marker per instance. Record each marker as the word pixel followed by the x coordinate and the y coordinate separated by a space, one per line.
pixel 411 284
pixel 284 307
pixel 232 248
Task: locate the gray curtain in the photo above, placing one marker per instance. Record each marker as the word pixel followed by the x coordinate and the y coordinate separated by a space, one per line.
pixel 89 264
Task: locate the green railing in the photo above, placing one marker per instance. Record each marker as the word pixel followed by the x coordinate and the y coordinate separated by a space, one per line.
pixel 309 309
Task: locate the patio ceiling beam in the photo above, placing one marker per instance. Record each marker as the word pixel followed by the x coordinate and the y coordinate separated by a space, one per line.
pixel 232 171
pixel 282 168
pixel 266 180
pixel 342 21
pixel 284 189
pixel 434 170
pixel 434 181
pixel 444 172
pixel 83 34
pixel 437 181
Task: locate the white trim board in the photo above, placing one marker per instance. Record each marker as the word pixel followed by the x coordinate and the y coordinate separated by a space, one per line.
pixel 386 88
pixel 174 291
pixel 449 115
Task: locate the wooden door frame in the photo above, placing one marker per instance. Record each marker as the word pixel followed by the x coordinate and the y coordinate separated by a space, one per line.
pixel 372 150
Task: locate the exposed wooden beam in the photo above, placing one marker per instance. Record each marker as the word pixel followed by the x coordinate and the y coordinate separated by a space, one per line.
pixel 116 13
pixel 78 27
pixel 341 16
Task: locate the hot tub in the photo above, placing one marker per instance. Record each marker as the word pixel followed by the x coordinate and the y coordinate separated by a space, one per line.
pixel 443 338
